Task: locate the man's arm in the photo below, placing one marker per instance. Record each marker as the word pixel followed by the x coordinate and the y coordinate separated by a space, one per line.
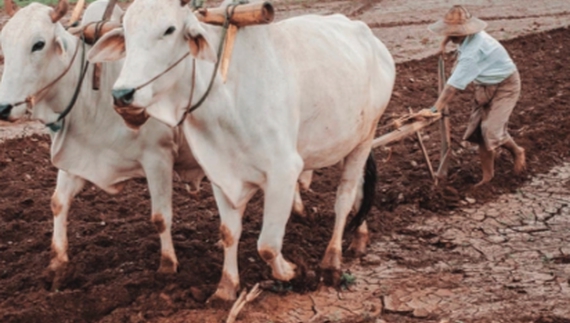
pixel 445 97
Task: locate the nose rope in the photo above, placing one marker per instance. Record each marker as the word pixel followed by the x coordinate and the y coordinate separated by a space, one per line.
pixel 163 72
pixel 230 9
pixel 55 126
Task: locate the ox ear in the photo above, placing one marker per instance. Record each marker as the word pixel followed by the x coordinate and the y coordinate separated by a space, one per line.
pixel 60 46
pixel 110 47
pixel 200 46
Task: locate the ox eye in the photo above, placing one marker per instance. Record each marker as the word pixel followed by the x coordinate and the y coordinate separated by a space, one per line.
pixel 169 31
pixel 38 46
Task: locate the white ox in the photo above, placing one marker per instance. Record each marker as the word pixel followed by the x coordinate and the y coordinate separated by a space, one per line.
pixel 301 94
pixel 94 145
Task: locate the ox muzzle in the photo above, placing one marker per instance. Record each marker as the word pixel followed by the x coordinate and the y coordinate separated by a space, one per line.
pixel 134 117
pixel 123 97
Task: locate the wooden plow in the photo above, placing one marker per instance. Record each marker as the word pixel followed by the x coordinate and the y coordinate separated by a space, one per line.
pixel 246 14
pixel 412 124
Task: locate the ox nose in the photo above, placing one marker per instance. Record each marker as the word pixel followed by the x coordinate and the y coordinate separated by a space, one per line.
pixel 123 97
pixel 5 110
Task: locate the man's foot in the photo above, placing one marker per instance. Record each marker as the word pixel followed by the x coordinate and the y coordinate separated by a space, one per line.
pixel 518 154
pixel 483 182
pixel 520 160
pixel 487 165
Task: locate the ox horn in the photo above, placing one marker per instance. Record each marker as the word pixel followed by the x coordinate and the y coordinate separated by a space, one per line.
pixel 77 11
pixel 10 7
pixel 59 11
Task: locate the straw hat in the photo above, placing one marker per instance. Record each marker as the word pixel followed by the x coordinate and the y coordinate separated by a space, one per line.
pixel 457 22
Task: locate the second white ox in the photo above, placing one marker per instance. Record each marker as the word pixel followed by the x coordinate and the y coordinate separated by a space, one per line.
pixel 93 145
pixel 301 94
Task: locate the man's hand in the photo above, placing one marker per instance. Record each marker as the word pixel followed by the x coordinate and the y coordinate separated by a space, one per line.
pixel 428 113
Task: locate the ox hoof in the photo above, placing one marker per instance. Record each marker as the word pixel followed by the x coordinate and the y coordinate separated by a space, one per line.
pixel 56 273
pixel 227 289
pixel 331 267
pixel 284 271
pixel 167 265
pixel 299 211
pixel 331 276
pixel 224 295
pixel 358 246
pixel 356 249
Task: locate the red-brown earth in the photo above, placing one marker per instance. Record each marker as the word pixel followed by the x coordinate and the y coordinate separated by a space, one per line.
pixel 114 249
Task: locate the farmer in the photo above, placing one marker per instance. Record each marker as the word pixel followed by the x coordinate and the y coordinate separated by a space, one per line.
pixel 481 59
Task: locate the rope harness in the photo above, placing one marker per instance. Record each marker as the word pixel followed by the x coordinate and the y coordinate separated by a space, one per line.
pixel 35 97
pixel 230 9
pixel 32 99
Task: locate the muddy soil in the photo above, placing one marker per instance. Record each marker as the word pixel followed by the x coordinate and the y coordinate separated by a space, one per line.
pixel 114 249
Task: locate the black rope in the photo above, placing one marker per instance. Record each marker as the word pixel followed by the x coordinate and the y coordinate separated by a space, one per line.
pixel 56 126
pixel 225 27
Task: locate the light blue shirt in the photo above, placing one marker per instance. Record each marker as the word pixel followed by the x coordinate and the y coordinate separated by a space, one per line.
pixel 482 59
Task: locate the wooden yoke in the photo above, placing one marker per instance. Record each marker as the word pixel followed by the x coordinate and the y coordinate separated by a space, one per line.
pixel 259 13
pixel 90 31
pixel 240 16
pixel 76 14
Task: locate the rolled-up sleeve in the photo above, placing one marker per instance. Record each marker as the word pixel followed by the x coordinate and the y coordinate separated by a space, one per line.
pixel 466 71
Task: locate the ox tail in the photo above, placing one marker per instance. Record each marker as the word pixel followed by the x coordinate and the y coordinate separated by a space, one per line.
pixel 368 190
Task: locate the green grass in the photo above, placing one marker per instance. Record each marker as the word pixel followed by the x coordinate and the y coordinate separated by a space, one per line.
pixel 23 3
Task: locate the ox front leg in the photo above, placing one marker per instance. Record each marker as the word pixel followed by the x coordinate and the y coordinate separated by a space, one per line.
pixel 66 188
pixel 159 177
pixel 345 199
pixel 230 232
pixel 279 195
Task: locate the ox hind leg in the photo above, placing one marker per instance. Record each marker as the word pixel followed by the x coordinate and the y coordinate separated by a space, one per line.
pixel 159 177
pixel 305 180
pixel 346 197
pixel 230 232
pixel 303 184
pixel 360 241
pixel 361 237
pixel 65 190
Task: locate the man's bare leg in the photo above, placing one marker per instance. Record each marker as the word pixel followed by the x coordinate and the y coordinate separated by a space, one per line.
pixel 518 154
pixel 487 164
